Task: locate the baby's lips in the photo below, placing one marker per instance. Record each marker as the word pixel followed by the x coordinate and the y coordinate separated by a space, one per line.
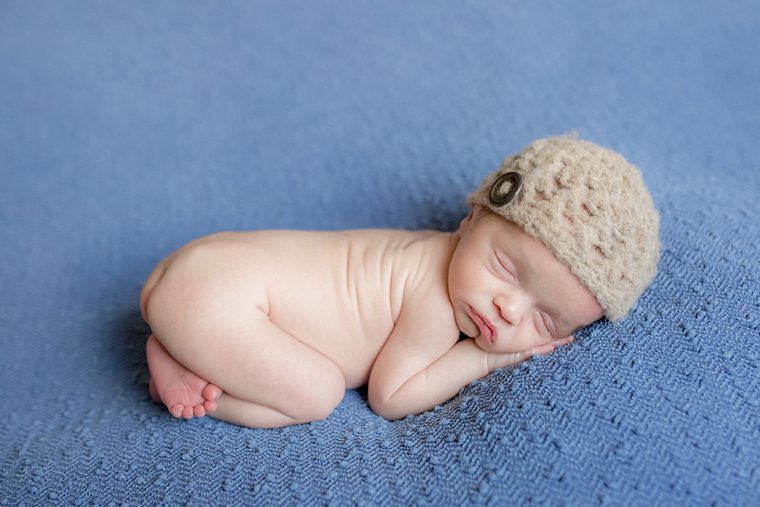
pixel 486 330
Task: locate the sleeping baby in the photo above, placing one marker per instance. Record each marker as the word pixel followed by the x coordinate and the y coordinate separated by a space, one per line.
pixel 269 328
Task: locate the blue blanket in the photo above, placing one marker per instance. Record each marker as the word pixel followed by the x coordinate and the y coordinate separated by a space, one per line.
pixel 129 128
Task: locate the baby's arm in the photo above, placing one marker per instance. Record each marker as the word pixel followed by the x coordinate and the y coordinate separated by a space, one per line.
pixel 422 365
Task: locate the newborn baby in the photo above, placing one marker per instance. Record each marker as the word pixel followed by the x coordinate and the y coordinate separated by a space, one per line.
pixel 269 328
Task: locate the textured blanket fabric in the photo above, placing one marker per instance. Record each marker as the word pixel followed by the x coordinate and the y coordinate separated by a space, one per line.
pixel 129 128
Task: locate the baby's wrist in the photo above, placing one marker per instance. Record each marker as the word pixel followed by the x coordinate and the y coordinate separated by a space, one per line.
pixel 496 361
pixel 492 361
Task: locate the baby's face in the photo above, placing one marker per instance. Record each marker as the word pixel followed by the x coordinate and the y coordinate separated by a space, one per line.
pixel 509 291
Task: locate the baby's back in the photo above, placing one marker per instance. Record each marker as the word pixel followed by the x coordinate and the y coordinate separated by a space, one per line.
pixel 338 292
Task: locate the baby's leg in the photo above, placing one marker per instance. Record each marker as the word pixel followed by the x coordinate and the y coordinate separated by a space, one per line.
pixel 253 415
pixel 269 378
pixel 183 392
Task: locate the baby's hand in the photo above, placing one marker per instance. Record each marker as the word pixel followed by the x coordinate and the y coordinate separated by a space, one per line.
pixel 503 360
pixel 496 361
pixel 548 348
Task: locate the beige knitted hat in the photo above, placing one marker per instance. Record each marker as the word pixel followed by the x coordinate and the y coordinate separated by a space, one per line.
pixel 590 207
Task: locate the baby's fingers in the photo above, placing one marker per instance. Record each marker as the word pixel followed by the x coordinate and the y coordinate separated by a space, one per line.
pixel 564 341
pixel 543 350
pixel 548 348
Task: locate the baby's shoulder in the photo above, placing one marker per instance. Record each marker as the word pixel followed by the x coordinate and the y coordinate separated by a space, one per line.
pixel 425 262
pixel 411 263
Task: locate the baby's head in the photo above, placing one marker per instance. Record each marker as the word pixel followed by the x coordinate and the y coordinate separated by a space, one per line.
pixel 563 233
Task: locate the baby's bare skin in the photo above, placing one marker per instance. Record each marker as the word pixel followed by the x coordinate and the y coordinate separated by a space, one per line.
pixel 269 328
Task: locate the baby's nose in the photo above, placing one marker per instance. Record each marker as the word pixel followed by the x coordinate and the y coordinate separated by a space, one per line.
pixel 511 307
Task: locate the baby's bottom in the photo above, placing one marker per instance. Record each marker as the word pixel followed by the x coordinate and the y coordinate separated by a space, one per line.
pixel 223 356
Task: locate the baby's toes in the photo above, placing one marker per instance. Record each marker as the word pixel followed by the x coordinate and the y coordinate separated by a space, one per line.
pixel 210 406
pixel 187 412
pixel 177 410
pixel 199 411
pixel 211 392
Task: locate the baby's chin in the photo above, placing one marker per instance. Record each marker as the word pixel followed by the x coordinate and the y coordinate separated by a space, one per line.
pixel 477 337
pixel 481 342
pixel 467 328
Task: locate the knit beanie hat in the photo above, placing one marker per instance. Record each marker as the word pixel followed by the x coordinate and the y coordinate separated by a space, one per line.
pixel 590 207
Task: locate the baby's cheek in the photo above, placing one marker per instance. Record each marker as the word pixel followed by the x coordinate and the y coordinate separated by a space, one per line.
pixel 526 338
pixel 540 329
pixel 457 281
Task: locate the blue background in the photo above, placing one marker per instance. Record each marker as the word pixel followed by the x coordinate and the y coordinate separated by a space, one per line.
pixel 128 129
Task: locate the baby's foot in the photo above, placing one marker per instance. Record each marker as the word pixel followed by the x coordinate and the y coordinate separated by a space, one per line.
pixel 183 392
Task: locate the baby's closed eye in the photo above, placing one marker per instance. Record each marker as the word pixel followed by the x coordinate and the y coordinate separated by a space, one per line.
pixel 506 267
pixel 544 324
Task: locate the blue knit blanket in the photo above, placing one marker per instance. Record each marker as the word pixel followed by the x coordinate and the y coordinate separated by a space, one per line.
pixel 129 128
